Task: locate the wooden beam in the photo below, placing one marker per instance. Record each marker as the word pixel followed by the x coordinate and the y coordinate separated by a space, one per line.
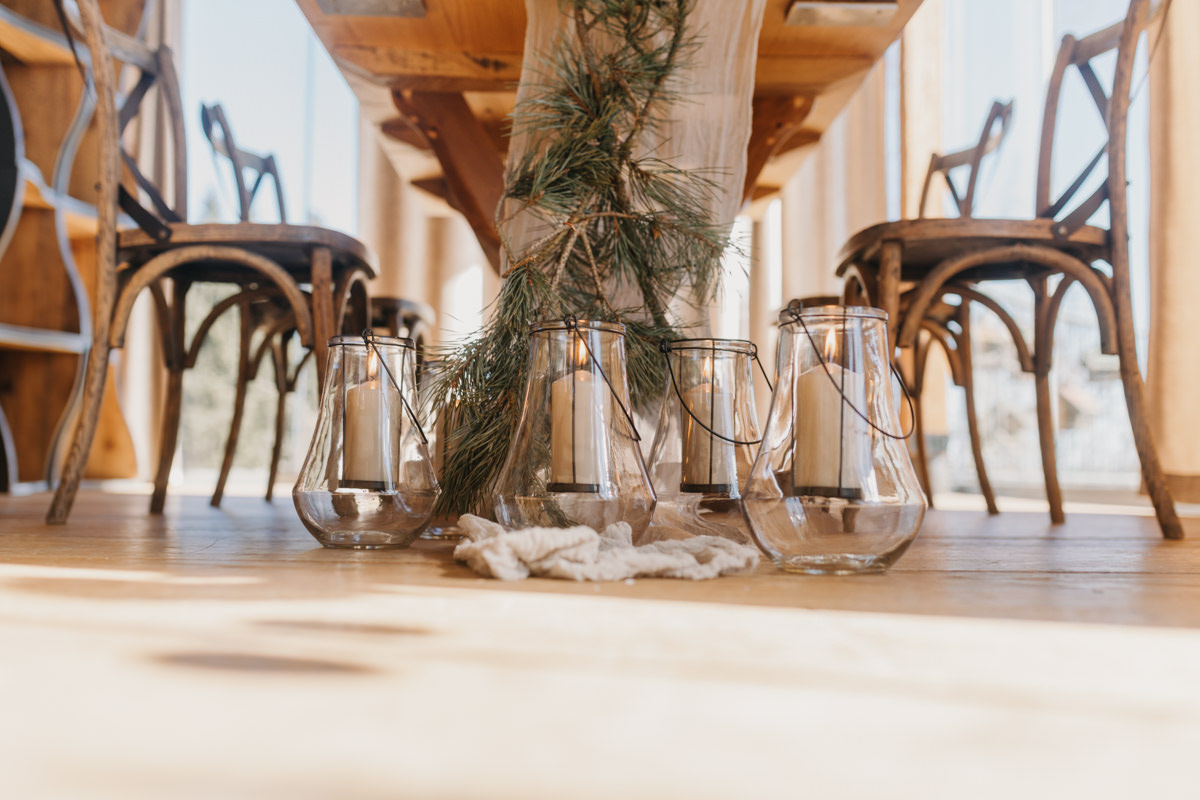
pixel 433 70
pixel 807 74
pixel 474 171
pixel 436 187
pixel 402 130
pixel 776 119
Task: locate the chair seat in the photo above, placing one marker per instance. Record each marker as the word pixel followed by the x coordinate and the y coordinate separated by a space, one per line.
pixel 290 246
pixel 928 242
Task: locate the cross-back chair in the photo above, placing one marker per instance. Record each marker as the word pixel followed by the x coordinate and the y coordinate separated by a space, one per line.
pixel 220 137
pixel 1060 246
pixel 945 323
pixel 166 255
pixel 266 325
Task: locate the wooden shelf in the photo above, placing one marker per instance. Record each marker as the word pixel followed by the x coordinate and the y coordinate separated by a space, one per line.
pixel 31 42
pixel 41 340
pixel 81 216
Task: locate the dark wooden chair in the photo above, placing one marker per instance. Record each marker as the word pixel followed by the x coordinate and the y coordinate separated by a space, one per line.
pixel 1050 252
pixel 315 269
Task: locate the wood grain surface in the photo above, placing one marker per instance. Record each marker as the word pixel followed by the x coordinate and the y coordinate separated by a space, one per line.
pixel 222 653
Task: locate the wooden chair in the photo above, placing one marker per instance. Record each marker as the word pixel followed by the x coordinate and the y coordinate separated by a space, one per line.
pixel 266 324
pixel 931 254
pixel 166 255
pixel 405 318
pixel 949 324
pixel 220 138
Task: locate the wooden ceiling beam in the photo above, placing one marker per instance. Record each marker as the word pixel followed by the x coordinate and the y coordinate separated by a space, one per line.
pixel 807 74
pixel 777 119
pixel 473 170
pixel 433 70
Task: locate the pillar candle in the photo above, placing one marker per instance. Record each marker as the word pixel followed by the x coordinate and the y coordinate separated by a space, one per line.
pixel 370 454
pixel 832 454
pixel 708 460
pixel 579 419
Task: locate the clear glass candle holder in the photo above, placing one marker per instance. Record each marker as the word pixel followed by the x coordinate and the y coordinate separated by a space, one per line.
pixel 441 419
pixel 367 481
pixel 575 457
pixel 833 490
pixel 707 437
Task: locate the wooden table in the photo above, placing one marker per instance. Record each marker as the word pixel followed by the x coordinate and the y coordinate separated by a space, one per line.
pixel 439 87
pixel 221 653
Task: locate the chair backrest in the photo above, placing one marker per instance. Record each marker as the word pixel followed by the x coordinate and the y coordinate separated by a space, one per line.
pixel 1087 59
pixel 968 161
pixel 150 71
pixel 220 136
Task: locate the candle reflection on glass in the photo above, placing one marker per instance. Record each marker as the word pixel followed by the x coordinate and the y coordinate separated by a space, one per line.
pixel 832 454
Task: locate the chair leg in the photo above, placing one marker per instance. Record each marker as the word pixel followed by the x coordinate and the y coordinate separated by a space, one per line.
pixel 922 450
pixel 1046 439
pixel 168 439
pixel 916 389
pixel 85 432
pixel 279 353
pixel 964 351
pixel 1043 351
pixel 1143 437
pixel 176 361
pixel 239 404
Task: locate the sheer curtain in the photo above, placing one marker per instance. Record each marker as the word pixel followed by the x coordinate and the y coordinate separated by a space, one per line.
pixel 1173 369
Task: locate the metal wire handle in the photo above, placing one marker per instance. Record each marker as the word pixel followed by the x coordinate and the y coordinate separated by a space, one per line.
pixel 572 323
pixel 793 311
pixel 368 337
pixel 665 348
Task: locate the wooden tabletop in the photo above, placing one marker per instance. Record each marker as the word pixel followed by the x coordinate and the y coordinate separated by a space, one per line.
pixel 806 72
pixel 221 653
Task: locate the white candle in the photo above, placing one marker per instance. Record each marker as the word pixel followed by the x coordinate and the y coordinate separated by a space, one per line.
pixel 579 419
pixel 369 453
pixel 707 459
pixel 833 444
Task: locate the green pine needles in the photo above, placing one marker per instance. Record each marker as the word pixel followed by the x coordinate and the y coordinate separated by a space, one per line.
pixel 622 232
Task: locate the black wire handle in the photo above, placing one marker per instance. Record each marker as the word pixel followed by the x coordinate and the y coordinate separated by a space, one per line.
pixel 572 323
pixel 793 311
pixel 368 337
pixel 665 348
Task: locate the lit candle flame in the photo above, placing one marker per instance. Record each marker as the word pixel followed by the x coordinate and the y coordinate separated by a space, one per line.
pixel 707 369
pixel 372 363
pixel 830 345
pixel 581 354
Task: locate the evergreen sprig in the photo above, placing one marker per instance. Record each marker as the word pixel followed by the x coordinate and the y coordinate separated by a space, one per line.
pixel 624 225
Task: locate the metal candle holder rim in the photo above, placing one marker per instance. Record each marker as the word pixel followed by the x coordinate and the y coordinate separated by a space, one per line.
pixel 356 340
pixel 567 325
pixel 796 314
pixel 788 315
pixel 740 346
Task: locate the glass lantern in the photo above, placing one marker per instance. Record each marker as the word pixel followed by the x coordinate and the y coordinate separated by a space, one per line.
pixel 575 457
pixel 367 481
pixel 707 437
pixel 833 490
pixel 441 417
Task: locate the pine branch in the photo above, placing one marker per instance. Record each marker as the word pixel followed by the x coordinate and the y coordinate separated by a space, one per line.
pixel 618 220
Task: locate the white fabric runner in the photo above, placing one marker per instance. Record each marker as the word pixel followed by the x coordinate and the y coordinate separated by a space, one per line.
pixel 582 554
